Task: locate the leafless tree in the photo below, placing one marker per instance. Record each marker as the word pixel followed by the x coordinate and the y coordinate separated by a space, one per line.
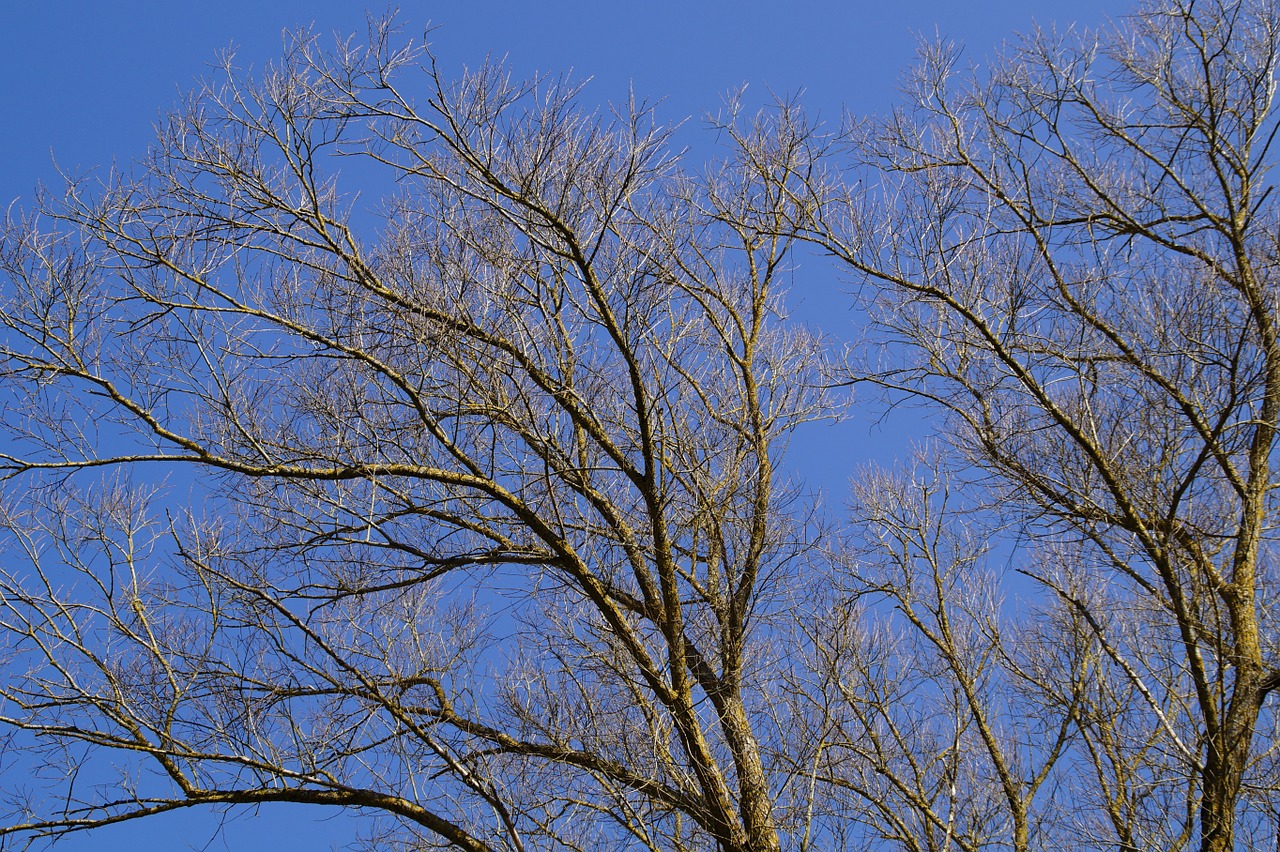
pixel 936 731
pixel 1081 275
pixel 471 517
pixel 464 509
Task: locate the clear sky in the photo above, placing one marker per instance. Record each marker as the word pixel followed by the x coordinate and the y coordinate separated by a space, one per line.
pixel 84 82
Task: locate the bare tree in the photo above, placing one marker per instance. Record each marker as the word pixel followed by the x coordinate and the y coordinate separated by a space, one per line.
pixel 485 533
pixel 464 510
pixel 1081 273
pixel 937 733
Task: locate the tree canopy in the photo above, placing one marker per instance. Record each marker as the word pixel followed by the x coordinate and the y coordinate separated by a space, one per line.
pixel 477 519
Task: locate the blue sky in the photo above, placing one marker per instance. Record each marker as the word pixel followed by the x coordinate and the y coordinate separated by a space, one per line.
pixel 84 82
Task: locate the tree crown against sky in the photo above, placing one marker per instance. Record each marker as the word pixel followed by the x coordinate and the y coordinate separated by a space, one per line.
pixel 490 541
